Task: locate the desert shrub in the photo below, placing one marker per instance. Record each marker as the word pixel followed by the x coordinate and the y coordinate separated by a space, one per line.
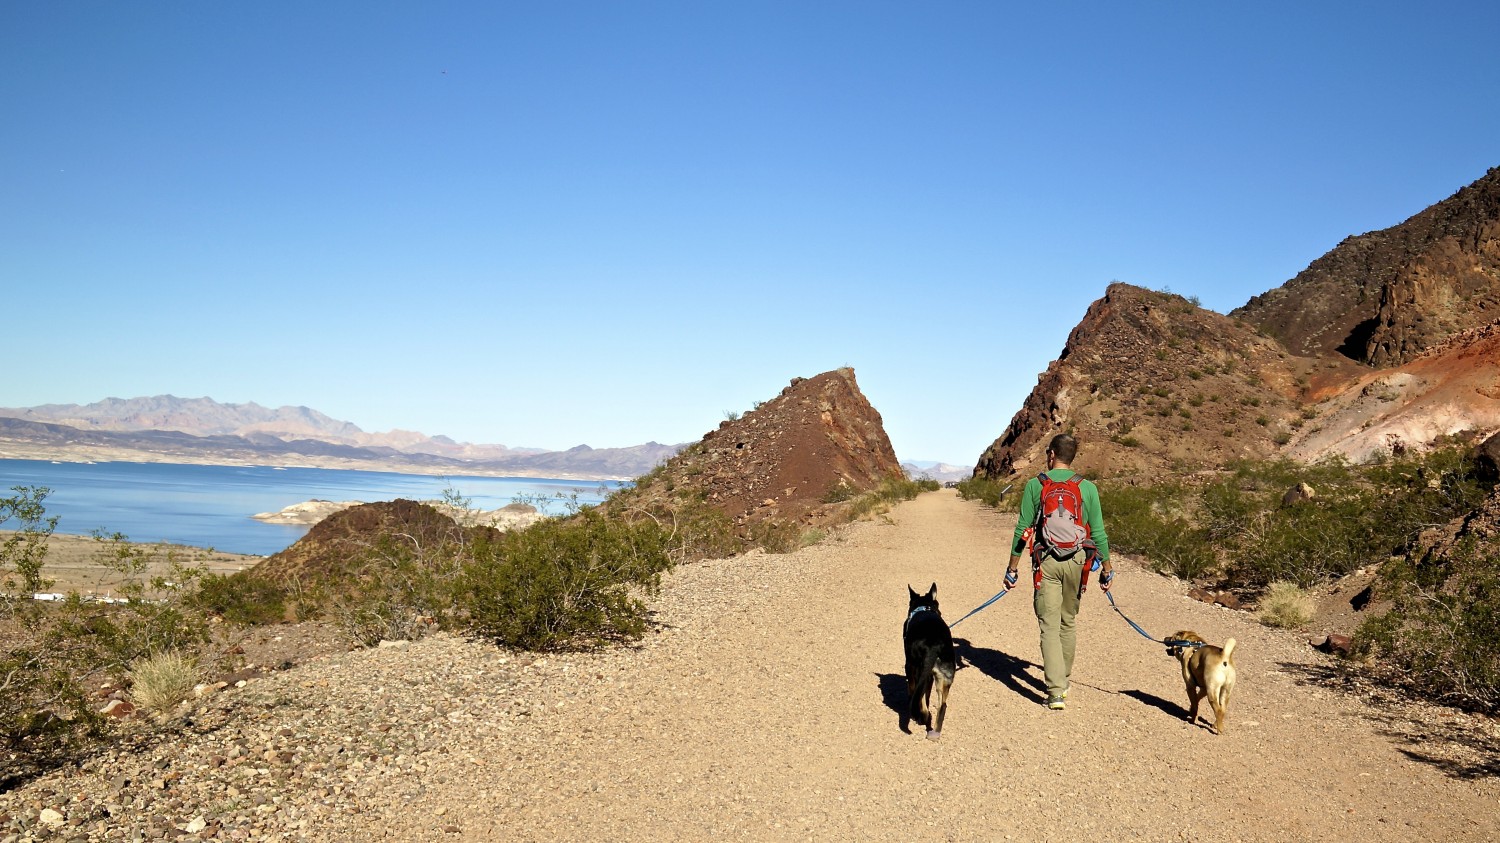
pixel 159 682
pixel 838 493
pixel 240 597
pixel 812 536
pixel 892 490
pixel 1285 605
pixel 696 530
pixel 985 490
pixel 565 583
pixel 56 651
pixel 776 536
pixel 1149 521
pixel 1441 637
pixel 24 552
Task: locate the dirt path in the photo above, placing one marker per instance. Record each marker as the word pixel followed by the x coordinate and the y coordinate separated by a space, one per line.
pixel 770 711
pixel 768 708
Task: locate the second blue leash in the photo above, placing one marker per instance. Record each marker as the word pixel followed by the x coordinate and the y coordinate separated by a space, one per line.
pixel 1170 642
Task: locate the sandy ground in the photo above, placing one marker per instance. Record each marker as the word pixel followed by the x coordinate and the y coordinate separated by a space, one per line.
pixel 776 717
pixel 73 562
pixel 767 706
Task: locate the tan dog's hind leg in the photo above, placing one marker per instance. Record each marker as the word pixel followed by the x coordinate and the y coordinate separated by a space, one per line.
pixel 1223 675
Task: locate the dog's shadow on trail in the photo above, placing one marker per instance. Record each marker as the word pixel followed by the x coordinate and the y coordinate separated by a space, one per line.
pixel 1002 667
pixel 1154 701
pixel 893 694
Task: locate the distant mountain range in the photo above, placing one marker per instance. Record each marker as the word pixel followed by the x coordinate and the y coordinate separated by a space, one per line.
pixel 939 471
pixel 165 428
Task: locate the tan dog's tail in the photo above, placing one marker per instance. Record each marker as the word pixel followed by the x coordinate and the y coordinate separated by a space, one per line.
pixel 1229 651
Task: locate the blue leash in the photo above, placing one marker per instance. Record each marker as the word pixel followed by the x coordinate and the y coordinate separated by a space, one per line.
pixel 1170 642
pixel 984 605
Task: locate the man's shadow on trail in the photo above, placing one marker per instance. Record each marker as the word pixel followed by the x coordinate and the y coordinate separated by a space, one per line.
pixel 1002 667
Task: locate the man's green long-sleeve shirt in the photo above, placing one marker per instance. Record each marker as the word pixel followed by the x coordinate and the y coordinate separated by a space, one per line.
pixel 1031 498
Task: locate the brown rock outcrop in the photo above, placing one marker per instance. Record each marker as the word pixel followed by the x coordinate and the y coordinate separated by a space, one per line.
pixel 341 545
pixel 784 458
pixel 1149 382
pixel 1382 298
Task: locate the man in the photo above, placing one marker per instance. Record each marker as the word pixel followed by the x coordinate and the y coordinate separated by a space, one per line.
pixel 1060 566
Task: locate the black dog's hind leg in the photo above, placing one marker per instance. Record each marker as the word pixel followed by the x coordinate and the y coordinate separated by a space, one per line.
pixel 919 687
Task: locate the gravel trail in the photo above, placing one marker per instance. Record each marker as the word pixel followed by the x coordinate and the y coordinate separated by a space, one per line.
pixel 767 707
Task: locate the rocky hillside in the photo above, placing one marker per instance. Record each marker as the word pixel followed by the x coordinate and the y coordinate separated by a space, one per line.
pixel 336 550
pixel 1382 298
pixel 1450 389
pixel 818 440
pixel 1152 383
pixel 1389 341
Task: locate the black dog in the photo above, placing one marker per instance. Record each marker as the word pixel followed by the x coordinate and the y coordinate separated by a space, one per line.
pixel 930 661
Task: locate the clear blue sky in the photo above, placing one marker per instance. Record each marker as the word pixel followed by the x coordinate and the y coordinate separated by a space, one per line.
pixel 553 223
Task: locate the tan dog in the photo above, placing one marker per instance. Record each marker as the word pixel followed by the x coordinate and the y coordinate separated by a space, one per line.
pixel 1208 671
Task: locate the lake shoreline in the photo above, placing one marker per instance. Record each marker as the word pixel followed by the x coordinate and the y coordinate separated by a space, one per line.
pixel 214 505
pixel 87 455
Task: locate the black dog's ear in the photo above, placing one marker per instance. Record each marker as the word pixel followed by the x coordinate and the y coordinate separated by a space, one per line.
pixel 931 592
pixel 911 591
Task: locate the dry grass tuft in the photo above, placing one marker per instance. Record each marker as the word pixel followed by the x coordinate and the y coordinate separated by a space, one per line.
pixel 161 681
pixel 1285 605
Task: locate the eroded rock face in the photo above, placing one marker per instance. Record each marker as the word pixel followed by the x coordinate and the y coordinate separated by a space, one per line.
pixel 784 458
pixel 1382 298
pixel 1149 382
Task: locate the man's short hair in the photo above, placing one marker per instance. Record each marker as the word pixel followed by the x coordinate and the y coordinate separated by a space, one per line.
pixel 1064 447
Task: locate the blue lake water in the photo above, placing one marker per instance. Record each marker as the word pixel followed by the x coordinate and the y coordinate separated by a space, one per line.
pixel 211 505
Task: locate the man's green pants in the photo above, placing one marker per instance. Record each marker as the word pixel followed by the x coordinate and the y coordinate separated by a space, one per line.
pixel 1056 604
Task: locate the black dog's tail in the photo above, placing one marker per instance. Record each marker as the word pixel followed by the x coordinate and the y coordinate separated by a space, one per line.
pixel 932 666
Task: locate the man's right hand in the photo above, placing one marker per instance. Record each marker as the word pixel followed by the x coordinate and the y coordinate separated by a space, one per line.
pixel 1011 578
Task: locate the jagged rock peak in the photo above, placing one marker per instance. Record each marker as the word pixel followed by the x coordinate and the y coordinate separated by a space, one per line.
pixel 1148 380
pixel 782 459
pixel 1383 297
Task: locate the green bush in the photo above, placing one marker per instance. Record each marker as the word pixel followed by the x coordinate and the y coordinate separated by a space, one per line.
pixel 985 490
pixel 1149 521
pixel 565 583
pixel 241 598
pixel 56 652
pixel 892 490
pixel 776 536
pixel 1441 638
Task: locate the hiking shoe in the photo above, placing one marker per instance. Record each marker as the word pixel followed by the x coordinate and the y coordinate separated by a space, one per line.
pixel 1056 703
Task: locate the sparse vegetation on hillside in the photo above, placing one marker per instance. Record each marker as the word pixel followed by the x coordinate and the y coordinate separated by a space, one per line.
pixel 57 651
pixel 1441 638
pixel 1238 529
